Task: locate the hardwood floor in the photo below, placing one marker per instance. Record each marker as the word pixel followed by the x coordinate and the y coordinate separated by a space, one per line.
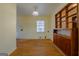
pixel 35 48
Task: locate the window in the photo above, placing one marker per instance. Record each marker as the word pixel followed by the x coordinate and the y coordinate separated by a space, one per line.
pixel 40 26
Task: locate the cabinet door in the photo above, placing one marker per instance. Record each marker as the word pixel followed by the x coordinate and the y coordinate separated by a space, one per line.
pixel 63 44
pixel 68 47
pixel 60 42
pixel 63 22
pixel 54 39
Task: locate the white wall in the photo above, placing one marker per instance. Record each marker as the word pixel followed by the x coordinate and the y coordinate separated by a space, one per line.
pixel 7 27
pixel 28 23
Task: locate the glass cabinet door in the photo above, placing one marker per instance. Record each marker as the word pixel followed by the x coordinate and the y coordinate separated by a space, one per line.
pixel 63 13
pixel 73 11
pixel 72 5
pixel 70 25
pixel 69 19
pixel 63 24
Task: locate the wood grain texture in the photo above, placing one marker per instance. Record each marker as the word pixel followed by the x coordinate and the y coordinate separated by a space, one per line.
pixel 35 48
pixel 63 43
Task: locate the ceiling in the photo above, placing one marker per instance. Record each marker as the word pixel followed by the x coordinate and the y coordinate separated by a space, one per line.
pixel 42 8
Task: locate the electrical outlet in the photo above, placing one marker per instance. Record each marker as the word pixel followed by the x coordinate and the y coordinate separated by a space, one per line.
pixel 40 37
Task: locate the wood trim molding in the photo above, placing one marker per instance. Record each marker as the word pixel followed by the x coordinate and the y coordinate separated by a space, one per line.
pixel 11 51
pixel 78 28
pixel 59 49
pixel 32 39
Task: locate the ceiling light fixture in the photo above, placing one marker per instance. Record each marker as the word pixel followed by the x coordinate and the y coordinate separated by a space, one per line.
pixel 35 12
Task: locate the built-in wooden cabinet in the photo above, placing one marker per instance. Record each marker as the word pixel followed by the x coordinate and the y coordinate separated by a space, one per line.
pixel 64 43
pixel 66 32
pixel 64 16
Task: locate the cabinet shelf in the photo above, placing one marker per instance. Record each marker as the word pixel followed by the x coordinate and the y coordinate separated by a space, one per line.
pixel 64 16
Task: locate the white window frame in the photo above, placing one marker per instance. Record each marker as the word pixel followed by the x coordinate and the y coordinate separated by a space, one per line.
pixel 40 24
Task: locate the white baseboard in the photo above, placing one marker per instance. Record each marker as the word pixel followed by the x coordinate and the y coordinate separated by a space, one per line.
pixel 3 54
pixel 29 39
